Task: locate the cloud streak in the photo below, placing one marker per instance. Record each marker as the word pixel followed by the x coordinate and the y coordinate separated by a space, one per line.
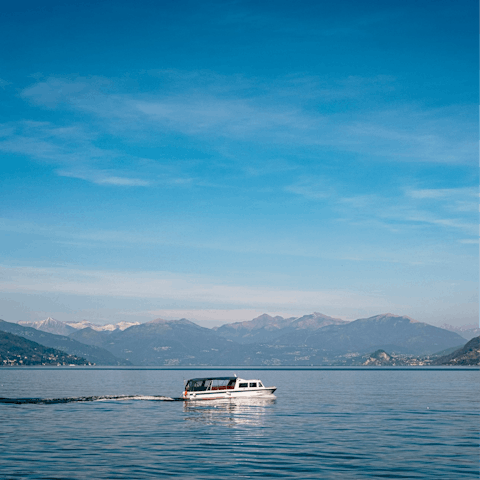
pixel 402 213
pixel 450 208
pixel 73 150
pixel 212 107
pixel 105 178
pixel 193 290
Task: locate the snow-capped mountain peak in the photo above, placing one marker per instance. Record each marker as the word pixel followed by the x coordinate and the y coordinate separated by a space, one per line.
pixel 58 327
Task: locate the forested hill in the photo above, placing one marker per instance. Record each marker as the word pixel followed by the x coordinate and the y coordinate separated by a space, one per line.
pixel 469 354
pixel 93 354
pixel 15 350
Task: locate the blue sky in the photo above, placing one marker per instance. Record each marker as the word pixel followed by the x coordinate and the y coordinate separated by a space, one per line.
pixel 218 160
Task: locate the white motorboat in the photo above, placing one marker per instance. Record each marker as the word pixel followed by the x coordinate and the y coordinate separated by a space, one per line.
pixel 214 388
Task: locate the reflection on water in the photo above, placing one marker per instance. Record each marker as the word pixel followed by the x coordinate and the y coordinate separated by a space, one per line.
pixel 229 411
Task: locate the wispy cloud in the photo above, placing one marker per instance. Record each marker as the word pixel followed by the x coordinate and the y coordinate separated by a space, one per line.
pixel 453 199
pixel 211 106
pixel 410 210
pixel 191 290
pixel 451 208
pixel 183 236
pixel 53 144
pixel 311 188
pixel 101 177
pixel 73 151
pixel 412 134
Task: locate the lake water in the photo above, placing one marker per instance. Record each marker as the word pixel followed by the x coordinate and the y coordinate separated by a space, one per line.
pixel 323 424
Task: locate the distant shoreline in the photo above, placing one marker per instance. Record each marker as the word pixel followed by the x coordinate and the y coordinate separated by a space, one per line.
pixel 239 367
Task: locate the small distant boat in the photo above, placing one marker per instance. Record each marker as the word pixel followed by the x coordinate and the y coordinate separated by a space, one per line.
pixel 213 388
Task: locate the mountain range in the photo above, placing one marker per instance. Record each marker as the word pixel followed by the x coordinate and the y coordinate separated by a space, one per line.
pixel 265 329
pixel 313 339
pixel 466 331
pixel 161 342
pixel 394 333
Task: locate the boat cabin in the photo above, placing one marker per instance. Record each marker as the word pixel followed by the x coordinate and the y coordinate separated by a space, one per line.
pixel 220 383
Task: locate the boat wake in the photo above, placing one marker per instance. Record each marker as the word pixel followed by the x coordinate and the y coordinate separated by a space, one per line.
pixel 94 398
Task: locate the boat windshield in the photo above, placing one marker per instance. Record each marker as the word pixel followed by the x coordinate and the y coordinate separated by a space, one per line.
pixel 198 385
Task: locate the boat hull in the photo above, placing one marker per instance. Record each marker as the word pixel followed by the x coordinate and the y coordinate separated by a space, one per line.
pixel 218 394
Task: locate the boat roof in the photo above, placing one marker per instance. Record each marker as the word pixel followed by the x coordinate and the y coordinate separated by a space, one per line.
pixel 211 378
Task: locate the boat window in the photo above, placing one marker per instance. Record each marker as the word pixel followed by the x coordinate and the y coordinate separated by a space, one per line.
pixel 197 386
pixel 242 385
pixel 222 384
pixel 253 385
pixel 260 384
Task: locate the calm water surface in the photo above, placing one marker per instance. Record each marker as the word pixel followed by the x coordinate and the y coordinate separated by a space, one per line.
pixel 332 424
